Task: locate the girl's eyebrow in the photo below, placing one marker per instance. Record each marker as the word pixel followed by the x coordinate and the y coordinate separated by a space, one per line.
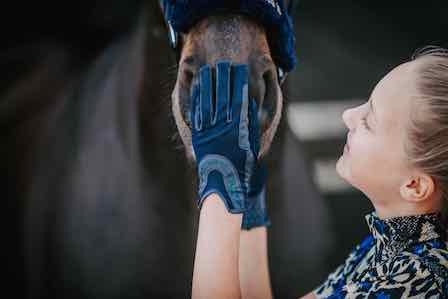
pixel 371 106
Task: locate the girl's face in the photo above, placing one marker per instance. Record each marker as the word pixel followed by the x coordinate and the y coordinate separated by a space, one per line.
pixel 374 159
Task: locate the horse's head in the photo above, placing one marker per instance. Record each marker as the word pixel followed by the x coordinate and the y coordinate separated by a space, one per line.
pixel 242 40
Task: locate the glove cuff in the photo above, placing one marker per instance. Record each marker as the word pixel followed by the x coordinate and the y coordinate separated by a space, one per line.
pixel 218 175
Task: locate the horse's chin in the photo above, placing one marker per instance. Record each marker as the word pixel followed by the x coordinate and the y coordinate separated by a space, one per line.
pixel 268 124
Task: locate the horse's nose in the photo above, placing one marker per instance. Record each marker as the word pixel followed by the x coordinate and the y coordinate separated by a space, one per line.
pixel 263 86
pixel 241 41
pixel 186 73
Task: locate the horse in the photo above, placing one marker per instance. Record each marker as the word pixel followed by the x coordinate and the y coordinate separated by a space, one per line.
pixel 99 196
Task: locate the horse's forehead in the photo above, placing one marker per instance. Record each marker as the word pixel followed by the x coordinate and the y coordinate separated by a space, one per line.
pixel 231 36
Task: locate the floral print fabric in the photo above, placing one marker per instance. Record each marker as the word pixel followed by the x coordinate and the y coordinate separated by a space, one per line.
pixel 402 257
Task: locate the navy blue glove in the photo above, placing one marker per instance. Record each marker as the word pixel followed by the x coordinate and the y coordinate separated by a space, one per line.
pixel 256 214
pixel 225 152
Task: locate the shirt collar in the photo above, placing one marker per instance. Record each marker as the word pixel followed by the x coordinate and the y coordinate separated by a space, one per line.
pixel 393 235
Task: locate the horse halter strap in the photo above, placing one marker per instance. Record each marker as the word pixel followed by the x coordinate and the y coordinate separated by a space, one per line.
pixel 181 15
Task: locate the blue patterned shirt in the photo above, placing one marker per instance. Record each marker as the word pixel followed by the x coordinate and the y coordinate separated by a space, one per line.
pixel 402 257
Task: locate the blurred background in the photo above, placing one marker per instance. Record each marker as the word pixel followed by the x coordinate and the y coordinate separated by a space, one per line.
pixel 98 197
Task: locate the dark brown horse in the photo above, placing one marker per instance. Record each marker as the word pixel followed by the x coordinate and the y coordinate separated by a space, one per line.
pixel 99 198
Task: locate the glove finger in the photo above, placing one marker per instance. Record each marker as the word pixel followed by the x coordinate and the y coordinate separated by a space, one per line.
pixel 240 105
pixel 240 93
pixel 194 99
pixel 196 115
pixel 222 112
pixel 254 127
pixel 205 81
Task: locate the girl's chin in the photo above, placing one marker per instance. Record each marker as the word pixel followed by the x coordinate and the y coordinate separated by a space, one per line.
pixel 343 170
pixel 341 166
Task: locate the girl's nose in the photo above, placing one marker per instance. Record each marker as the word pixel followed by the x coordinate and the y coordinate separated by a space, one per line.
pixel 352 116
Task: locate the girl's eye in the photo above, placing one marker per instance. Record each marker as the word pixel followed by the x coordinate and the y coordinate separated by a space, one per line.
pixel 364 122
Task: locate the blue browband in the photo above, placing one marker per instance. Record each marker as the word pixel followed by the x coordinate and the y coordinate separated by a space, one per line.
pixel 180 15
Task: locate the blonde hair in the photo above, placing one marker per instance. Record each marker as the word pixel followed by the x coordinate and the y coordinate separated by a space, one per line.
pixel 428 130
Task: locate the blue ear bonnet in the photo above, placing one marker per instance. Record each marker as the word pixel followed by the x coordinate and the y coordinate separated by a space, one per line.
pixel 180 15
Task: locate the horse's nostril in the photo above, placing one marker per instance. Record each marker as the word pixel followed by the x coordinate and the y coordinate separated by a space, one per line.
pixel 268 101
pixel 185 82
pixel 257 88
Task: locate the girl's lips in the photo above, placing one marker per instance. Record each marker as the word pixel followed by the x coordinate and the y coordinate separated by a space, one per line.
pixel 347 147
pixel 347 143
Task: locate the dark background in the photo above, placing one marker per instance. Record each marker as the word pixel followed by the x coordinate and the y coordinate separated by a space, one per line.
pixel 343 47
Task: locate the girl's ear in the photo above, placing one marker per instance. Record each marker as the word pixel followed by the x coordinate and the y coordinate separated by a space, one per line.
pixel 418 188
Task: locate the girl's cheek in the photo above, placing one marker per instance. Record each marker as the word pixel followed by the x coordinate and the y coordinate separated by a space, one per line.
pixel 361 149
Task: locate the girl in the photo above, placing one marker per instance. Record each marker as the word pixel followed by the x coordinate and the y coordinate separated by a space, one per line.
pixel 396 153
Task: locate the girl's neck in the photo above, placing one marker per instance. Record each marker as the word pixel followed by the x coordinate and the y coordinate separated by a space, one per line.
pixel 385 211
